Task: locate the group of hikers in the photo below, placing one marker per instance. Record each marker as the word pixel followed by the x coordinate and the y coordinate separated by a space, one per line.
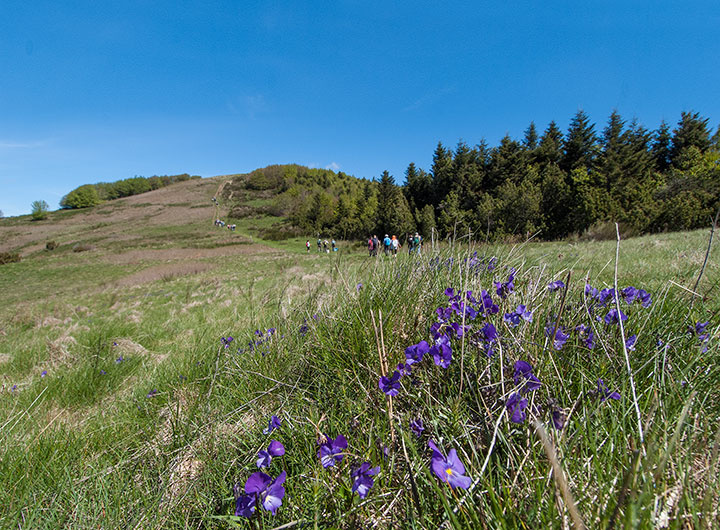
pixel 391 244
pixel 222 224
pixel 322 246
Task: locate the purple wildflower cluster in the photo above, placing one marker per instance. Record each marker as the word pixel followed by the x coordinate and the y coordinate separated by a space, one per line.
pixel 332 452
pixel 478 265
pixel 526 381
pixel 260 338
pixel 700 331
pixel 260 488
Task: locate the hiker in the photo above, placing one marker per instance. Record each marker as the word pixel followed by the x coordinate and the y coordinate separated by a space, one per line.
pixel 370 246
pixel 417 242
pixel 395 245
pixel 409 242
pixel 319 244
pixel 334 247
pixel 307 246
pixel 325 247
pixel 376 245
pixel 386 244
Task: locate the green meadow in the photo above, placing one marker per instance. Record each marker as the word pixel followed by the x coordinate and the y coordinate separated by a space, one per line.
pixel 122 407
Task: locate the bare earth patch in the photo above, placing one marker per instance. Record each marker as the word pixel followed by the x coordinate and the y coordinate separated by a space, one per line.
pixel 160 272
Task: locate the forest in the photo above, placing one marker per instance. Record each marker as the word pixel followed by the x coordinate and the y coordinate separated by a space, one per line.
pixel 550 185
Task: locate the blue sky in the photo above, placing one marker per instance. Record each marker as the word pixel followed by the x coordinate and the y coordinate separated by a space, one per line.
pixel 102 90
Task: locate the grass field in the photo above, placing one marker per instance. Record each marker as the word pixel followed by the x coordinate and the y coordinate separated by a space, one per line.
pixel 122 408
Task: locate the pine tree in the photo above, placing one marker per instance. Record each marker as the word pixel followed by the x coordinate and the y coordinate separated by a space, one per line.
pixel 692 131
pixel 530 142
pixel 580 145
pixel 550 149
pixel 442 177
pixel 418 185
pixel 660 148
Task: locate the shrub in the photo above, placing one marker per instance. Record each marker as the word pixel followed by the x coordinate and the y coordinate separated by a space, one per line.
pixel 39 210
pixel 82 197
pixel 9 257
pixel 51 245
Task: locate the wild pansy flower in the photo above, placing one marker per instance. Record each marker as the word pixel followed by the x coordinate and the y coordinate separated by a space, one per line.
pixel 516 405
pixel 331 450
pixel 244 504
pixel 488 334
pixel 558 418
pixel 225 341
pixel 44 373
pixel 273 423
pixel 586 335
pixel 417 427
pixel 629 294
pixel 414 353
pixel 644 298
pixel 590 291
pixel 604 392
pixel 513 319
pixel 404 369
pixel 505 288
pixel 605 296
pixel 152 393
pixel 391 386
pixel 362 478
pixel 614 316
pixel 358 287
pixel 119 360
pixel 267 492
pixel 265 457
pixel 558 337
pixel 556 285
pixel 441 351
pixel 488 306
pixel 449 470
pixel 630 342
pixel 524 374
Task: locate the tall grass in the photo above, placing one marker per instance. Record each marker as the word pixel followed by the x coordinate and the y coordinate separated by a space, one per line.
pixel 82 449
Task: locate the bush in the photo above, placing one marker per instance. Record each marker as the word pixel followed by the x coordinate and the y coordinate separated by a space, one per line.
pixel 82 197
pixel 9 257
pixel 51 245
pixel 39 210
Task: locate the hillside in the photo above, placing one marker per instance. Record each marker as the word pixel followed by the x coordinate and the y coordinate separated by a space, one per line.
pixel 139 377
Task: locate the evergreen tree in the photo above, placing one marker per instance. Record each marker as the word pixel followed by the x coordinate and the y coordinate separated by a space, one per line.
pixel 550 149
pixel 530 142
pixel 692 131
pixel 418 186
pixel 660 148
pixel 508 162
pixel 442 177
pixel 555 202
pixel 425 220
pixel 580 145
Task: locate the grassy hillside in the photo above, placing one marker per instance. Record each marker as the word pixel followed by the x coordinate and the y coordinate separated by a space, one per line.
pixel 126 405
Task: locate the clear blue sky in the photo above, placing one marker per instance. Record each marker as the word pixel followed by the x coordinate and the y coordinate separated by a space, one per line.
pixel 98 90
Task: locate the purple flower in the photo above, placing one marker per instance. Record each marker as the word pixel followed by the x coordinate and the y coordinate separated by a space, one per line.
pixel 450 293
pixel 358 287
pixel 449 470
pixel 614 316
pixel 414 353
pixel 558 418
pixel 489 335
pixel 119 360
pixel 265 457
pixel 13 388
pixel 520 313
pixel 644 297
pixel 523 374
pixel 273 423
pixel 417 427
pixel 554 286
pixel 441 351
pixel 587 335
pixel 505 288
pixel 244 504
pixel 488 306
pixel 560 337
pixel 605 296
pixel 363 480
pixel 268 492
pixel 590 291
pixel 331 450
pixel 604 392
pixel 516 405
pixel 390 386
pixel 226 341
pixel 115 343
pixel 629 294
pixel 630 342
pixel 44 373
